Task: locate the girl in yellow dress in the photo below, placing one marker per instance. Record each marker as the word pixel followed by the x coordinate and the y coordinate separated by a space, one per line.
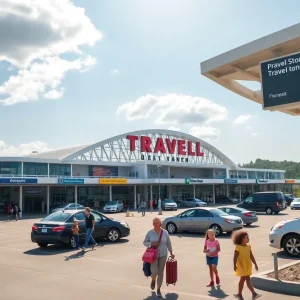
pixel 242 263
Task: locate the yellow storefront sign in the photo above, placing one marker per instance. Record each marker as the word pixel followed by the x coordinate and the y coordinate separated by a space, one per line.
pixel 290 181
pixel 113 181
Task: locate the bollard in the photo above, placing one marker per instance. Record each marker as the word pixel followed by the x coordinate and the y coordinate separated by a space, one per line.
pixel 275 265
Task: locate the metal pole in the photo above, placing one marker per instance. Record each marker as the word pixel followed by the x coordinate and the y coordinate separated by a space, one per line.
pixel 159 199
pixel 275 265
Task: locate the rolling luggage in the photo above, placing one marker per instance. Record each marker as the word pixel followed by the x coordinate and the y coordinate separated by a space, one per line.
pixel 171 271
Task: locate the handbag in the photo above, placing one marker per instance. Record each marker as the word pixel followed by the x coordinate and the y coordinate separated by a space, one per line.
pixel 151 253
pixel 147 269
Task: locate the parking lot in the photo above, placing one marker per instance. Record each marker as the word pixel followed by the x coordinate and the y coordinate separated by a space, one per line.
pixel 114 271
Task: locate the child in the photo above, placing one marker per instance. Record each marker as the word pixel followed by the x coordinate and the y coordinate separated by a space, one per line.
pixel 242 262
pixel 75 231
pixel 212 249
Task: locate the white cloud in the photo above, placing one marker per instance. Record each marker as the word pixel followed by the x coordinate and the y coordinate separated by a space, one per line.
pixel 41 78
pixel 173 110
pixel 175 128
pixel 33 35
pixel 249 127
pixel 254 134
pixel 22 149
pixel 113 72
pixel 205 132
pixel 242 119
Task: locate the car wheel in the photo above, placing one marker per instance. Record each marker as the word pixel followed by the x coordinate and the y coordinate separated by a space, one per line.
pixel 42 245
pixel 197 205
pixel 291 245
pixel 113 235
pixel 217 229
pixel 73 243
pixel 248 224
pixel 269 211
pixel 171 228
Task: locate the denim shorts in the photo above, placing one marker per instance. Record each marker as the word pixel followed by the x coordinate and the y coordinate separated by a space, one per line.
pixel 212 260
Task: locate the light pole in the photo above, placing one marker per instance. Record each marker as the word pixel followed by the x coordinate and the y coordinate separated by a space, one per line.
pixel 159 199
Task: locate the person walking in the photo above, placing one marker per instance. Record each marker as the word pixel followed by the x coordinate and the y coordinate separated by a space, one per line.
pixel 212 249
pixel 143 208
pixel 242 263
pixel 10 212
pixel 151 205
pixel 16 212
pixel 90 226
pixel 152 240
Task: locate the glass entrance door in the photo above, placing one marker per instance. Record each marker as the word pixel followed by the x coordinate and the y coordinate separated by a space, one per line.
pixel 34 203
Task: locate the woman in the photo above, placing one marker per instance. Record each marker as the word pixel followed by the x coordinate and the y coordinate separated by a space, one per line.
pixel 143 208
pixel 152 240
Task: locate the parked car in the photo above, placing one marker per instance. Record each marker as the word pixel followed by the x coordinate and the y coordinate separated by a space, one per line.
pixel 113 206
pixel 56 228
pixel 247 216
pixel 201 219
pixel 286 235
pixel 193 202
pixel 224 199
pixel 289 198
pixel 295 203
pixel 169 204
pixel 67 206
pixel 268 202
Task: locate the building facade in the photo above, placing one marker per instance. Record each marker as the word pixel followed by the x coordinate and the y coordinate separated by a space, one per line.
pixel 140 165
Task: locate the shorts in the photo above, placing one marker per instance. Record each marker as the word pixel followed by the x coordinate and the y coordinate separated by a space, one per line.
pixel 212 260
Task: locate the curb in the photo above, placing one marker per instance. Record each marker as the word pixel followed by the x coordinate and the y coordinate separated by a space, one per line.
pixel 261 282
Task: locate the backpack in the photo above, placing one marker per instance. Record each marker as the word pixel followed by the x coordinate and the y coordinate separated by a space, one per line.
pixel 147 269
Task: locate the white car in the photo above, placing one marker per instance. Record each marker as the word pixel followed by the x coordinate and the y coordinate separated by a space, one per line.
pixel 286 235
pixel 113 206
pixel 295 204
pixel 169 204
pixel 67 206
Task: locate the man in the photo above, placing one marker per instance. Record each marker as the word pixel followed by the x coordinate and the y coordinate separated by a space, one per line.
pixel 143 208
pixel 151 205
pixel 90 225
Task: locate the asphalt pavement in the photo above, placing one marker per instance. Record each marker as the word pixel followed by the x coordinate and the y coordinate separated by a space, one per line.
pixel 114 270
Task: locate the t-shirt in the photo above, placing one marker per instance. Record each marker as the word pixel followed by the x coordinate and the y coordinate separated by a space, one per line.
pixel 212 247
pixel 89 221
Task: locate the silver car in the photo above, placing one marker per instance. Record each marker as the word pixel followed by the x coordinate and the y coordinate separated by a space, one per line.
pixel 169 204
pixel 201 219
pixel 113 206
pixel 67 206
pixel 193 202
pixel 286 235
pixel 295 204
pixel 247 216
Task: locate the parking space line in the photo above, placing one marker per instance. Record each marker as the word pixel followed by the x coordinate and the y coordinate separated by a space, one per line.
pixel 99 259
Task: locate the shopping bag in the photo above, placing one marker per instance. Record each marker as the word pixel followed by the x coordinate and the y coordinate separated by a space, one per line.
pixel 171 271
pixel 150 254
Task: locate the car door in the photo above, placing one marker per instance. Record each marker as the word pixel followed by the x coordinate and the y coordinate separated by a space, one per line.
pixel 80 217
pixel 186 221
pixel 202 220
pixel 101 226
pixel 248 203
pixel 120 205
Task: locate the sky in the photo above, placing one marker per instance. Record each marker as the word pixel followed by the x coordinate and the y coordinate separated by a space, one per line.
pixel 75 72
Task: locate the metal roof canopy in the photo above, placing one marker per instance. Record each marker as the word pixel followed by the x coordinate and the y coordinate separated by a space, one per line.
pixel 243 63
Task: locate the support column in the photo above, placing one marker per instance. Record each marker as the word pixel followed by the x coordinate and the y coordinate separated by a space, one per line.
pixel 240 193
pixel 48 170
pixel 75 194
pixel 227 190
pixel 151 192
pixel 22 169
pixel 146 193
pixel 170 191
pixel 110 193
pixel 214 195
pixel 252 188
pixel 71 170
pixel 134 192
pixel 48 199
pixel 21 197
pixel 194 191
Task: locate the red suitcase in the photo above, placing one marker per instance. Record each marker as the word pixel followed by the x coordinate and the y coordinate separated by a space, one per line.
pixel 171 271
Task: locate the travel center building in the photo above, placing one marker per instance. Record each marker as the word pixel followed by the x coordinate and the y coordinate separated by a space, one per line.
pixel 130 167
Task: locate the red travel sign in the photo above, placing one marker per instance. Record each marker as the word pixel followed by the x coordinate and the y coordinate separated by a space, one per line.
pixel 165 145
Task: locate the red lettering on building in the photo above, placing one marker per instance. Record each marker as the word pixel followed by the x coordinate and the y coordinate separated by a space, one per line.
pixel 190 149
pixel 198 149
pixel 160 146
pixel 181 147
pixel 146 144
pixel 132 139
pixel 171 146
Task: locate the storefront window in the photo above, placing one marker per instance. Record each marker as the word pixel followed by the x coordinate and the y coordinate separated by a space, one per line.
pixel 10 168
pixel 260 175
pixel 60 170
pixel 94 196
pixel 61 194
pixel 251 175
pixel 233 174
pixel 35 169
pixel 242 174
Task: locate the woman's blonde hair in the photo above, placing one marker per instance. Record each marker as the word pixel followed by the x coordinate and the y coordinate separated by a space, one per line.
pixel 156 219
pixel 207 232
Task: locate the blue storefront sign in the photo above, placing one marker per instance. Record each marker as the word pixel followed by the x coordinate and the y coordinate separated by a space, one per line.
pixel 230 181
pixel 16 180
pixel 70 180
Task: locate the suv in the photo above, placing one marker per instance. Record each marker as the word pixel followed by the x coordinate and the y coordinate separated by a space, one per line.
pixel 268 202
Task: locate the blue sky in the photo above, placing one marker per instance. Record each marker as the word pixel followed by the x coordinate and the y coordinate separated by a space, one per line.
pixel 134 53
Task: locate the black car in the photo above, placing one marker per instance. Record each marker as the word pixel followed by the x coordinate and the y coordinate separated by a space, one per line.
pixel 57 228
pixel 268 202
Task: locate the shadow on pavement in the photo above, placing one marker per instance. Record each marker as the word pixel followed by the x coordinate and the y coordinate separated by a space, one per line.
pixel 217 292
pixel 169 296
pixel 251 226
pixel 273 215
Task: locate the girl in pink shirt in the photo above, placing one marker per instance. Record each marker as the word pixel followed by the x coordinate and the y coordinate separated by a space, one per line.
pixel 212 249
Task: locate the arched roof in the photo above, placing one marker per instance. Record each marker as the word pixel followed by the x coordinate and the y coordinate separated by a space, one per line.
pixel 72 153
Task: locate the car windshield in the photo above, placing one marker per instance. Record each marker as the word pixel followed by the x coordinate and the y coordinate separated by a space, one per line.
pixel 62 205
pixel 169 201
pixel 112 203
pixel 297 200
pixel 218 212
pixel 57 217
pixel 198 200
